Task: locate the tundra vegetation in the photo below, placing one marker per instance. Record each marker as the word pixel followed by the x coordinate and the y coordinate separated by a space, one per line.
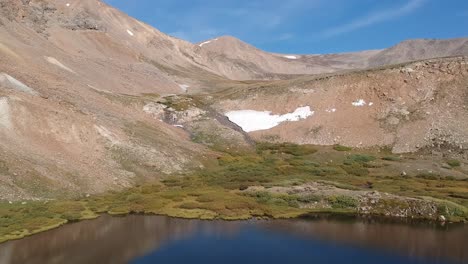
pixel 242 185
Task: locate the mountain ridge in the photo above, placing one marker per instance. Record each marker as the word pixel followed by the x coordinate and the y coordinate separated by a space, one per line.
pixel 405 51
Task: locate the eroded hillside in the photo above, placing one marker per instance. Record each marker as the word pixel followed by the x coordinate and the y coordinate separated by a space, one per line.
pixel 93 100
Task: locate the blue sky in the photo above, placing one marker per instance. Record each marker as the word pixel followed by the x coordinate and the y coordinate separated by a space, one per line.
pixel 304 26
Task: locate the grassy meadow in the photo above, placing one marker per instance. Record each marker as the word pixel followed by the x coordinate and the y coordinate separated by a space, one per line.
pixel 223 189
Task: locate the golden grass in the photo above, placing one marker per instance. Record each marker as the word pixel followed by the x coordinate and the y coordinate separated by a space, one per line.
pixel 215 191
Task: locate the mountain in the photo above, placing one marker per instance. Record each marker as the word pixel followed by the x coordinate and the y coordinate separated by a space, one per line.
pixel 237 60
pixel 252 63
pixel 74 79
pixel 93 100
pixel 420 49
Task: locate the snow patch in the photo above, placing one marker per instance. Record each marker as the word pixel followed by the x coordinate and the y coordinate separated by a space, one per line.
pixel 181 126
pixel 331 110
pixel 12 83
pixel 204 43
pixel 251 120
pixel 207 42
pixel 184 87
pixel 359 102
pixel 68 4
pixel 55 62
pixel 130 32
pixel 5 117
pixel 290 57
pixel 104 132
pixel 371 104
pixel 98 90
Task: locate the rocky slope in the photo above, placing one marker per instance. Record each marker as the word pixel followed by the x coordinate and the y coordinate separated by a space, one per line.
pixel 85 99
pixel 419 49
pixel 70 120
pixel 408 107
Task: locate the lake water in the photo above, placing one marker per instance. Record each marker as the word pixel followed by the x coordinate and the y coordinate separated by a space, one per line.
pixel 156 239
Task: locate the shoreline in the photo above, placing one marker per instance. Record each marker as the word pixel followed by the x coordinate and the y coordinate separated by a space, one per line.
pixel 310 216
pixel 275 181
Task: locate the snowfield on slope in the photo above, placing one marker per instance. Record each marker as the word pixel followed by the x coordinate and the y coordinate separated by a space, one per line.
pixel 359 102
pixel 14 84
pixel 55 62
pixel 291 57
pixel 184 87
pixel 207 42
pixel 104 132
pixel 5 119
pixel 251 120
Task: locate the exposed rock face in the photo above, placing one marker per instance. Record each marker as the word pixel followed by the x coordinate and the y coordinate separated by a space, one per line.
pixel 366 202
pixel 392 206
pixel 82 21
pixel 206 126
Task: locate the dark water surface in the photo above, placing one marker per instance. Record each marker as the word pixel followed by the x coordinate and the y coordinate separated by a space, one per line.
pixel 155 239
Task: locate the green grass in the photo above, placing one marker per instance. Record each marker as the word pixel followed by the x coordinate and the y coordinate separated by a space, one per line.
pixel 428 176
pixel 391 158
pixel 179 103
pixel 453 163
pixel 355 169
pixel 286 148
pixel 221 190
pixel 19 220
pixel 342 148
pixel 283 199
pixel 360 158
pixel 343 202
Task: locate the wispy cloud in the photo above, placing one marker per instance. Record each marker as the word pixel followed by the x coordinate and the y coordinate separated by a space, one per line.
pixel 374 18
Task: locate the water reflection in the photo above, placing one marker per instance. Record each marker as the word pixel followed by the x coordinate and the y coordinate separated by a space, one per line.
pixel 123 239
pixel 417 240
pixel 105 240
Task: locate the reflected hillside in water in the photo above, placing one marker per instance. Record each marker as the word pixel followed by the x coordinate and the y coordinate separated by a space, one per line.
pixel 104 240
pixel 448 242
pixel 122 239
